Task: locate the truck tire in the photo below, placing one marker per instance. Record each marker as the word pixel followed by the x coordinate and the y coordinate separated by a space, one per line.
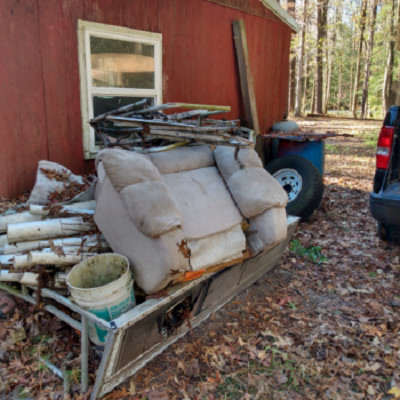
pixel 378 180
pixel 301 180
pixel 389 233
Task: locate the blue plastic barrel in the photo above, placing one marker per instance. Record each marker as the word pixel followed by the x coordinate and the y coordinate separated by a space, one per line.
pixel 394 110
pixel 311 150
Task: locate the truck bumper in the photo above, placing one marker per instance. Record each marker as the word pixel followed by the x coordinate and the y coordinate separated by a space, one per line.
pixel 385 206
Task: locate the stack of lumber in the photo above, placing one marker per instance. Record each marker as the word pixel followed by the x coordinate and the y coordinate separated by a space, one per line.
pixel 141 126
pixel 48 239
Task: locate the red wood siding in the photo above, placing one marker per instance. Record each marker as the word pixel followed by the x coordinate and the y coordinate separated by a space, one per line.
pixel 39 74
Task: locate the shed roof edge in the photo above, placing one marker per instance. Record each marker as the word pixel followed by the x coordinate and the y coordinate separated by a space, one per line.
pixel 282 14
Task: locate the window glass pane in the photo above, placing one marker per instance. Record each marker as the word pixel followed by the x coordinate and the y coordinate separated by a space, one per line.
pixel 103 104
pixel 122 64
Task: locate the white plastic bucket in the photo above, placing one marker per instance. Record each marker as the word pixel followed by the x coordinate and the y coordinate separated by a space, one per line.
pixel 103 285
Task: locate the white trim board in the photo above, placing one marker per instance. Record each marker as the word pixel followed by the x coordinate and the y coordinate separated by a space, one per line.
pixel 86 29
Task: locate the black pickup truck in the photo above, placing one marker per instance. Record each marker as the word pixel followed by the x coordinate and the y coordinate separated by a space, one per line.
pixel 385 198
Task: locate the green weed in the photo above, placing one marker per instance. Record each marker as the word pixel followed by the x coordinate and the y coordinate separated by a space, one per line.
pixel 312 253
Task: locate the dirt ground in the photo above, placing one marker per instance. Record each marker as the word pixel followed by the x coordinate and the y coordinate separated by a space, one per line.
pixel 323 325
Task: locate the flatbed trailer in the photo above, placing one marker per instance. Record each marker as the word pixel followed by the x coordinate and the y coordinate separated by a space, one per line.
pixel 142 333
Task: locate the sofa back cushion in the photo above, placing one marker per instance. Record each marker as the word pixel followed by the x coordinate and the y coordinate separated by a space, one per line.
pixel 228 164
pixel 183 159
pixel 152 208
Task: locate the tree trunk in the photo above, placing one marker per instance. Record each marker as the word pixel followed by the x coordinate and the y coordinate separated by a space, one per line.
pixel 300 74
pixel 353 47
pixel 340 78
pixel 306 82
pixel 330 54
pixel 359 52
pixel 364 99
pixel 388 77
pixel 313 95
pixel 291 8
pixel 322 15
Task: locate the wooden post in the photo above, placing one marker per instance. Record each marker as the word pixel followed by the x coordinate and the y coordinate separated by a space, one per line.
pixel 246 81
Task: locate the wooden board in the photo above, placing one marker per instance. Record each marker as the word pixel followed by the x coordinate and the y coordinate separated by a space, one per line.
pixel 144 332
pixel 246 77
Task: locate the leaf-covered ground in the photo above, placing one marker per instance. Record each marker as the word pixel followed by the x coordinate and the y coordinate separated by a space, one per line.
pixel 324 325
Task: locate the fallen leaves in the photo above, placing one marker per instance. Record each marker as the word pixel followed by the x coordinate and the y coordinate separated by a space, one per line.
pixel 313 329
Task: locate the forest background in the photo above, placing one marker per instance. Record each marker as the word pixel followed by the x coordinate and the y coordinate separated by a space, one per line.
pixel 344 58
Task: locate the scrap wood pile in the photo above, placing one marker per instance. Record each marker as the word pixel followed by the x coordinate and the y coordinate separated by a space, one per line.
pixel 55 230
pixel 140 126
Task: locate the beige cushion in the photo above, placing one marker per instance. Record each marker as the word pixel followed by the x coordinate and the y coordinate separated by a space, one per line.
pixel 267 229
pixel 216 249
pixel 125 168
pixel 152 208
pixel 204 201
pixel 183 159
pixel 255 191
pixel 154 262
pixel 228 165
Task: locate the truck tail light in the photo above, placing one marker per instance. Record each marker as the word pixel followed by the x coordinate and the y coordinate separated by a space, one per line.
pixel 383 151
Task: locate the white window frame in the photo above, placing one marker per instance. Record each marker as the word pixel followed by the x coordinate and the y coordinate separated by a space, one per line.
pixel 85 31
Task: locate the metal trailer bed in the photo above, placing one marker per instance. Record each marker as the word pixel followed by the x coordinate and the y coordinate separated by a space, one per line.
pixel 142 333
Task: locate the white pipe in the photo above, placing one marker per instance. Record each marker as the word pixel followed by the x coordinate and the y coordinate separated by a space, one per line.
pixel 20 261
pixel 50 258
pixel 85 207
pixel 48 229
pixel 6 260
pixel 17 218
pixel 85 242
pixel 3 240
pixel 31 278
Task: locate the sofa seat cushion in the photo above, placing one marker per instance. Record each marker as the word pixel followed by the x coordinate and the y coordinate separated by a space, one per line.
pixel 204 201
pixel 217 249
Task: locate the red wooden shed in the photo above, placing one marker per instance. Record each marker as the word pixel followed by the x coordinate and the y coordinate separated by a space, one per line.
pixel 63 61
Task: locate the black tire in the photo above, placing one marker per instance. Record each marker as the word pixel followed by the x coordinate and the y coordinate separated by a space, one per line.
pixel 389 233
pixel 302 181
pixel 378 180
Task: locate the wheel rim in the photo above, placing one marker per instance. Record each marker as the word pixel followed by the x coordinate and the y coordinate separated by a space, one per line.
pixel 290 180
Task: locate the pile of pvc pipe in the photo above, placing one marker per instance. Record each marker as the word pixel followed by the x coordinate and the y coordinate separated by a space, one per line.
pixel 35 237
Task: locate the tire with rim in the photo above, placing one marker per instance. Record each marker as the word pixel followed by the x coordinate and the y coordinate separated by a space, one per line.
pixel 389 233
pixel 302 182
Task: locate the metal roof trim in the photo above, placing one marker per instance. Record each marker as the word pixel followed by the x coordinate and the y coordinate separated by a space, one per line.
pixel 282 14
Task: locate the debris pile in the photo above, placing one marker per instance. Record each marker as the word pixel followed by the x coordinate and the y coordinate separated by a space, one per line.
pixel 140 126
pixel 53 234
